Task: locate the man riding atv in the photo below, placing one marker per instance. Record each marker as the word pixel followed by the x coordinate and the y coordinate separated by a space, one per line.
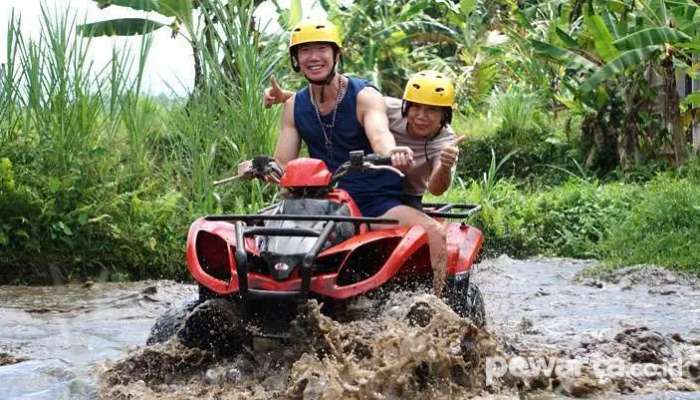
pixel 419 121
pixel 336 114
pixel 315 242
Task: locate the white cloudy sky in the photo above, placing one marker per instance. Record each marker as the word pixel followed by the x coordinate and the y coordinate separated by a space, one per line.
pixel 170 60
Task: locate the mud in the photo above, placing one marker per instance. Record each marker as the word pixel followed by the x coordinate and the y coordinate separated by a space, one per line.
pixel 391 354
pixel 7 359
pixel 559 332
pixel 629 334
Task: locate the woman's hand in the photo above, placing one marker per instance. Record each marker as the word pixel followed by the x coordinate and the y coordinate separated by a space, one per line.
pixel 275 94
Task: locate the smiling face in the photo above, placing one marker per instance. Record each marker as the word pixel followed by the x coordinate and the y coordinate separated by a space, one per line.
pixel 424 121
pixel 316 60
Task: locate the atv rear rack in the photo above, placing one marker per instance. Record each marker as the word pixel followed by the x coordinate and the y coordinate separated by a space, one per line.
pixel 442 210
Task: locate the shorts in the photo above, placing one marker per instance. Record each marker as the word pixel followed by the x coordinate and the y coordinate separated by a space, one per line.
pixel 413 201
pixel 375 206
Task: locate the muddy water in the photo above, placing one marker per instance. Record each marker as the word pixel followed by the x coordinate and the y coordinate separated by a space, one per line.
pixel 52 338
pixel 86 342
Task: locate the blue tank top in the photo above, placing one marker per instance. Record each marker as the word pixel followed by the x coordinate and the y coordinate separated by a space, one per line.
pixel 347 135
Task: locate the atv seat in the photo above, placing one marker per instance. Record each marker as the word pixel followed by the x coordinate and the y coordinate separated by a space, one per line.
pixel 318 207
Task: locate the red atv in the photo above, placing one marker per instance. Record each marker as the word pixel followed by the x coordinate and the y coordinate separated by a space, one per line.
pixel 253 270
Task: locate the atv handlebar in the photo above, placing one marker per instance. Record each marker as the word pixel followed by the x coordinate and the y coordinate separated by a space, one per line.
pixel 361 162
pixel 262 167
pixel 357 158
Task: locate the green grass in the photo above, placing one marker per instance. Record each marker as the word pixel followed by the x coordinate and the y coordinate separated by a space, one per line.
pixel 662 228
pixel 474 126
pixel 622 224
pixel 97 179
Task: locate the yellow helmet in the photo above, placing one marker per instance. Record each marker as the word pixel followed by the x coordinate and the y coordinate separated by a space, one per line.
pixel 430 87
pixel 314 30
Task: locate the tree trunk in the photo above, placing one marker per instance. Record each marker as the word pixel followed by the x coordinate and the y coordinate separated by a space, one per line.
pixel 672 115
pixel 198 74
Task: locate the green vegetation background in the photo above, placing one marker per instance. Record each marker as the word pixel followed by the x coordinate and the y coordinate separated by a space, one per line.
pixel 100 181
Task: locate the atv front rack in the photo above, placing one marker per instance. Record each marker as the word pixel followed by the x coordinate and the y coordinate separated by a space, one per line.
pixel 241 231
pixel 295 217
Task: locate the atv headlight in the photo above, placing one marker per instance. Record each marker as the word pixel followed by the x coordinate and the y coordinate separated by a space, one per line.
pixel 366 260
pixel 212 254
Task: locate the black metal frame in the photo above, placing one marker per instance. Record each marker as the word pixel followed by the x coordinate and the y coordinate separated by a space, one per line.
pixel 241 231
pixel 297 217
pixel 245 293
pixel 357 221
pixel 442 210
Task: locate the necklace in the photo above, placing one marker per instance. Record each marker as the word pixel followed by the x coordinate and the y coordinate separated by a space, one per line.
pixel 328 134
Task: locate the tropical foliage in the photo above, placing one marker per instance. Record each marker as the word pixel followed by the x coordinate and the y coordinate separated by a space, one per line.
pixel 578 132
pixel 618 63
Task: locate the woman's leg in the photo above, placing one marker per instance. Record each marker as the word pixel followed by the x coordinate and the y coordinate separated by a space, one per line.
pixel 437 241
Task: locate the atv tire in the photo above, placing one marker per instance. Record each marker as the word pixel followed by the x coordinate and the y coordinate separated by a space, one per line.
pixel 170 322
pixel 464 297
pixel 213 325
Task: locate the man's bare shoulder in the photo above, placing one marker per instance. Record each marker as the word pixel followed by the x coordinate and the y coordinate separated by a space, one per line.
pixel 369 95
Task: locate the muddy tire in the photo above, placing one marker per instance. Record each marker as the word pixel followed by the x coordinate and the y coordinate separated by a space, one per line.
pixel 464 297
pixel 206 294
pixel 170 322
pixel 214 325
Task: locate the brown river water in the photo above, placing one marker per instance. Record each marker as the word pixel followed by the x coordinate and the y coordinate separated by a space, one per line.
pixel 550 334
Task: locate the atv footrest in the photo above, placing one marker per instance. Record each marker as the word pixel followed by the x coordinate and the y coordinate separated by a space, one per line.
pixel 258 294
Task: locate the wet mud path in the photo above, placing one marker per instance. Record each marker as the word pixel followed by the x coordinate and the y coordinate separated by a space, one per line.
pixel 550 334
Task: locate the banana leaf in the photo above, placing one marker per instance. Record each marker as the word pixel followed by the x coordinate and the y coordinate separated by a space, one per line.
pixel 602 38
pixel 172 8
pixel 294 13
pixel 176 8
pixel 566 38
pixel 143 5
pixel 119 27
pixel 658 11
pixel 650 37
pixel 627 59
pixel 567 57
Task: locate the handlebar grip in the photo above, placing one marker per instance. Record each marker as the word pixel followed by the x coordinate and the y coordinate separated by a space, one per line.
pixel 378 160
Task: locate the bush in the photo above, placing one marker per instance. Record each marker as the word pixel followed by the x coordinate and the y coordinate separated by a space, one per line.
pixel 662 228
pixel 572 219
pixel 622 224
pixel 534 136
